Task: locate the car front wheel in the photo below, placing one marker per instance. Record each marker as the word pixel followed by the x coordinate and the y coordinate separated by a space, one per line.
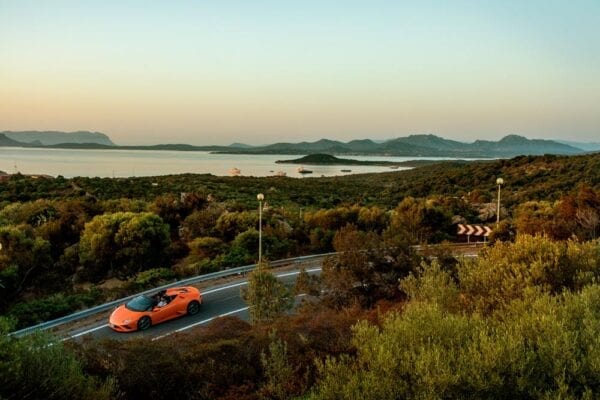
pixel 193 307
pixel 144 323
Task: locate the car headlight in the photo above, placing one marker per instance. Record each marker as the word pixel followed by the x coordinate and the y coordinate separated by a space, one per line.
pixel 126 321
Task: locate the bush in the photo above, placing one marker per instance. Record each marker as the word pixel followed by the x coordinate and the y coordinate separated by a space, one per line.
pixel 57 305
pixel 150 278
pixel 505 271
pixel 432 285
pixel 542 346
pixel 33 367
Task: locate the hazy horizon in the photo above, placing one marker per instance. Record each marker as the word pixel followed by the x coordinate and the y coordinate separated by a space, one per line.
pixel 266 71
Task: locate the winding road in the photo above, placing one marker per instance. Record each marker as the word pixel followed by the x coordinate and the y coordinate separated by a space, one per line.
pixel 218 301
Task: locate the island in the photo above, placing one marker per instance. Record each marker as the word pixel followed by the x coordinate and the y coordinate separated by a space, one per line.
pixel 328 159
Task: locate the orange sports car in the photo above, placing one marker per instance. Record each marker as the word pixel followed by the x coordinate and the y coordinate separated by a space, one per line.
pixel 144 311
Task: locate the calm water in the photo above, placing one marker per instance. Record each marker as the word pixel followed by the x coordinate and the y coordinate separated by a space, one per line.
pixel 122 163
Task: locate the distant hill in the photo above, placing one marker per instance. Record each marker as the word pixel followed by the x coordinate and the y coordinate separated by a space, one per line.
pixel 587 146
pixel 409 146
pixel 240 145
pixel 419 145
pixel 8 142
pixel 47 138
pixel 519 145
pixel 430 141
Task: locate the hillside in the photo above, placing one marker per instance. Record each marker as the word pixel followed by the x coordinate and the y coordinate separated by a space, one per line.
pixel 419 145
pixel 526 178
pixel 8 142
pixel 46 138
pixel 410 146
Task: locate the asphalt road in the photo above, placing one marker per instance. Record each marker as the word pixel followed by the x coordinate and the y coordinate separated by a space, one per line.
pixel 218 301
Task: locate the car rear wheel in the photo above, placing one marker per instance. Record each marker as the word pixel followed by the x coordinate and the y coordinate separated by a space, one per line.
pixel 193 307
pixel 144 323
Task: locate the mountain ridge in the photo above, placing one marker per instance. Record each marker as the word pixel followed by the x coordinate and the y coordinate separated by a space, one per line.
pixel 419 145
pixel 48 138
pixel 408 146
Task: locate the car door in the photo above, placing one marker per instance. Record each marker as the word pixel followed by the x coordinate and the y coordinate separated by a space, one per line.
pixel 160 314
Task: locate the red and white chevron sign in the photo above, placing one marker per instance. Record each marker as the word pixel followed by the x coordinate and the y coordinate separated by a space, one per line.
pixel 475 230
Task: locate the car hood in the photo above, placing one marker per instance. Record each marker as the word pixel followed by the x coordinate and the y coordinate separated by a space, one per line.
pixel 122 313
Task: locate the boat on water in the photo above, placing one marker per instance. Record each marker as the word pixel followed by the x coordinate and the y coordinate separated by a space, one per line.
pixel 235 172
pixel 301 170
pixel 346 170
pixel 394 167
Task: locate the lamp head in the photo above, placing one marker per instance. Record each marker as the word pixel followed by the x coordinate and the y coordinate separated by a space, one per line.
pixel 499 181
pixel 260 197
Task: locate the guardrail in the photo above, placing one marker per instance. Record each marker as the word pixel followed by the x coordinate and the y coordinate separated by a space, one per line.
pixel 195 279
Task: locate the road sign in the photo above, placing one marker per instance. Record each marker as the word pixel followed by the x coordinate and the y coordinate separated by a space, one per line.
pixel 475 230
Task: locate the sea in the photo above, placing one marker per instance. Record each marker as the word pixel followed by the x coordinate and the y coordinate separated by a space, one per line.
pixel 126 163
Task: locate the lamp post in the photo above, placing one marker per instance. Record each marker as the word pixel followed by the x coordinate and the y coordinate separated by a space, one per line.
pixel 499 182
pixel 260 197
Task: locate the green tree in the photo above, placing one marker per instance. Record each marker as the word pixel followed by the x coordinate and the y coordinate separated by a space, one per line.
pixel 279 372
pixel 205 247
pixel 307 284
pixel 123 243
pixel 35 367
pixel 536 217
pixel 175 209
pixel 266 296
pixel 367 267
pixel 22 259
pixel 202 222
pixel 230 224
pixel 422 220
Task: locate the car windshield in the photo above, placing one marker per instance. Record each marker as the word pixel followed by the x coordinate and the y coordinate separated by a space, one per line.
pixel 140 303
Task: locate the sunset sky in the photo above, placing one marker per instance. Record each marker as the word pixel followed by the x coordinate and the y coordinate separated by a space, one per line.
pixel 216 72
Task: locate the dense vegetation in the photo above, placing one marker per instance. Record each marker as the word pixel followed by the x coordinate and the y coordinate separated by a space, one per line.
pixel 521 321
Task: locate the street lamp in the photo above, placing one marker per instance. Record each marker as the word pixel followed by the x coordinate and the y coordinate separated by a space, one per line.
pixel 260 197
pixel 499 182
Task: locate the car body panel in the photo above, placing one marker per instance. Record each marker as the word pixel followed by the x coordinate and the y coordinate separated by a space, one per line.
pixel 124 319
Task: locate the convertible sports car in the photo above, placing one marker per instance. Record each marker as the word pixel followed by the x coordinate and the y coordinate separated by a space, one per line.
pixel 144 311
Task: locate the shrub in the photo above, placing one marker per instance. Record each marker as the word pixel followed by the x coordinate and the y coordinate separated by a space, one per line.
pixel 504 271
pixel 541 346
pixel 51 307
pixel 150 278
pixel 33 367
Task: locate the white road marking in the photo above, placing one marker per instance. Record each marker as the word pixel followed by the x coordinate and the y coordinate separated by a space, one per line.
pixel 224 288
pixel 297 272
pixel 84 332
pixel 246 282
pixel 201 322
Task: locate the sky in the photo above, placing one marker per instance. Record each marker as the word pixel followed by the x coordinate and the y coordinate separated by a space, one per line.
pixel 261 71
